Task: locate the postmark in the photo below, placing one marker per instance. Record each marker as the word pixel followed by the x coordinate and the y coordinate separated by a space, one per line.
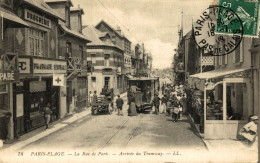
pixel 223 19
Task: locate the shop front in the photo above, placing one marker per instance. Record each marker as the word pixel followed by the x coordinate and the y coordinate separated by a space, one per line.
pixel 38 86
pixel 7 78
pixel 227 102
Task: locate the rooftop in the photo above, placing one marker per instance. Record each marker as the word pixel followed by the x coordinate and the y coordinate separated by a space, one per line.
pixel 40 4
pixel 94 35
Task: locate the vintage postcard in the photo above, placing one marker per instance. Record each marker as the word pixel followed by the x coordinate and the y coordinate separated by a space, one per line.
pixel 129 81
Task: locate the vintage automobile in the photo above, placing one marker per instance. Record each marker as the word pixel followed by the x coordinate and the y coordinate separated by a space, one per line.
pixel 143 89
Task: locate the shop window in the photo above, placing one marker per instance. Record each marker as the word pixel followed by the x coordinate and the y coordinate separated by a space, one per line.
pixel 37 41
pixel 4 102
pixel 214 103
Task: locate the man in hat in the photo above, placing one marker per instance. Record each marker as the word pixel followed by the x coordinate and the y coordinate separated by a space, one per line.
pixel 249 131
pixel 156 103
pixel 119 105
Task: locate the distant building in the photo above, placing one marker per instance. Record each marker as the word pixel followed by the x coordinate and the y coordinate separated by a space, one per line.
pixel 106 60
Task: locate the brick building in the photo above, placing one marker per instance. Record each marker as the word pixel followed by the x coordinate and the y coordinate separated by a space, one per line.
pixel 106 59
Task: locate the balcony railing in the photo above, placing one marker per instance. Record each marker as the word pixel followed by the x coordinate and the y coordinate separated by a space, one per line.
pixel 74 64
pixel 8 61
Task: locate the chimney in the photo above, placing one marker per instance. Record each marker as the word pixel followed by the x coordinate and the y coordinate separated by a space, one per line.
pixel 118 30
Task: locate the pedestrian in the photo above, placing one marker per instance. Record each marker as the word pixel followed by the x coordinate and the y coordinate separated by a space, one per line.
pixel 156 103
pixel 176 110
pixel 94 99
pixel 163 103
pixel 47 114
pixel 119 105
pixel 132 106
pixel 163 87
pixel 183 103
pixel 90 97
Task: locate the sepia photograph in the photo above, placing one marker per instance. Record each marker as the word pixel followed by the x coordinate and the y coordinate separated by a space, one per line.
pixel 129 81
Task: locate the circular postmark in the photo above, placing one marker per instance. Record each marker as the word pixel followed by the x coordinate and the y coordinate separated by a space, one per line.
pixel 219 30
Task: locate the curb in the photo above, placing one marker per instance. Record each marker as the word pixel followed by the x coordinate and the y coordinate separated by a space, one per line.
pixel 205 142
pixel 55 128
pixel 64 122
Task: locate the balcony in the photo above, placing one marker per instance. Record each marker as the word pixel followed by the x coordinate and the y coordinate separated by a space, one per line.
pixel 74 64
pixel 7 3
pixel 8 61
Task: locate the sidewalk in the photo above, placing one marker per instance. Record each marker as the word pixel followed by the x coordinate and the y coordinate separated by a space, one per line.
pixel 237 149
pixel 40 133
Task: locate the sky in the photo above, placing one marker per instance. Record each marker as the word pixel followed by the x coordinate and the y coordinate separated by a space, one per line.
pixel 152 22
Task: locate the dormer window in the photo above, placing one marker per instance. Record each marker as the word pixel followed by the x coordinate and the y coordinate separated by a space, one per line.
pixel 7 3
pixel 67 16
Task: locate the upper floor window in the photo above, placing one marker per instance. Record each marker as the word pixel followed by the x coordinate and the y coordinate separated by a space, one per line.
pixel 93 58
pixel 107 56
pixel 80 24
pixel 238 54
pixel 67 16
pixel 7 3
pixel 81 53
pixel 68 49
pixel 37 42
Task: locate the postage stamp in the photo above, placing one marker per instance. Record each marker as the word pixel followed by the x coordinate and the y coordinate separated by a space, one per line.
pixel 227 22
pixel 248 12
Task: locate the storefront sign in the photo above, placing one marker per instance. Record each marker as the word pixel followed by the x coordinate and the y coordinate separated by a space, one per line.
pixel 42 66
pixel 8 76
pixel 38 19
pixel 107 71
pixel 37 86
pixel 58 80
pixel 24 65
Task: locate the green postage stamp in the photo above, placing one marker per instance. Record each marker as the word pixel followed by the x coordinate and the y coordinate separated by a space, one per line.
pixel 246 10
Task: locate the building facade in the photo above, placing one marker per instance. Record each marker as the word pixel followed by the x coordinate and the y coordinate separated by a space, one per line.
pixel 106 60
pixel 10 26
pixel 38 63
pixel 72 47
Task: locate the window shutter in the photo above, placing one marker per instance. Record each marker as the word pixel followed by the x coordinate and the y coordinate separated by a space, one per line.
pixel 241 56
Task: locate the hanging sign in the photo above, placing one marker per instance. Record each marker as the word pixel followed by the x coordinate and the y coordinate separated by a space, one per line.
pixel 9 76
pixel 58 80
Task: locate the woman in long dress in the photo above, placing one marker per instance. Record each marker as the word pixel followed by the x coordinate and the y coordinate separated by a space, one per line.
pixel 132 108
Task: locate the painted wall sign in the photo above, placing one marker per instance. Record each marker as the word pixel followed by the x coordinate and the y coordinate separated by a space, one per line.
pixel 9 76
pixel 42 66
pixel 107 71
pixel 35 18
pixel 24 65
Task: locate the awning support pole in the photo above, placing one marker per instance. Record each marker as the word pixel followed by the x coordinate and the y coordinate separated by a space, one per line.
pixel 225 108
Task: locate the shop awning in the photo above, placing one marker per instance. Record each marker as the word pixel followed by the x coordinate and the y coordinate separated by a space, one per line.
pixel 217 73
pixel 12 17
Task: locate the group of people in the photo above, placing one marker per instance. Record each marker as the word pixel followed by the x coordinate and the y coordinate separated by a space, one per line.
pixel 173 102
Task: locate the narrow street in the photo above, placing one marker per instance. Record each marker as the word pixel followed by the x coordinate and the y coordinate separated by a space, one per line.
pixel 105 132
